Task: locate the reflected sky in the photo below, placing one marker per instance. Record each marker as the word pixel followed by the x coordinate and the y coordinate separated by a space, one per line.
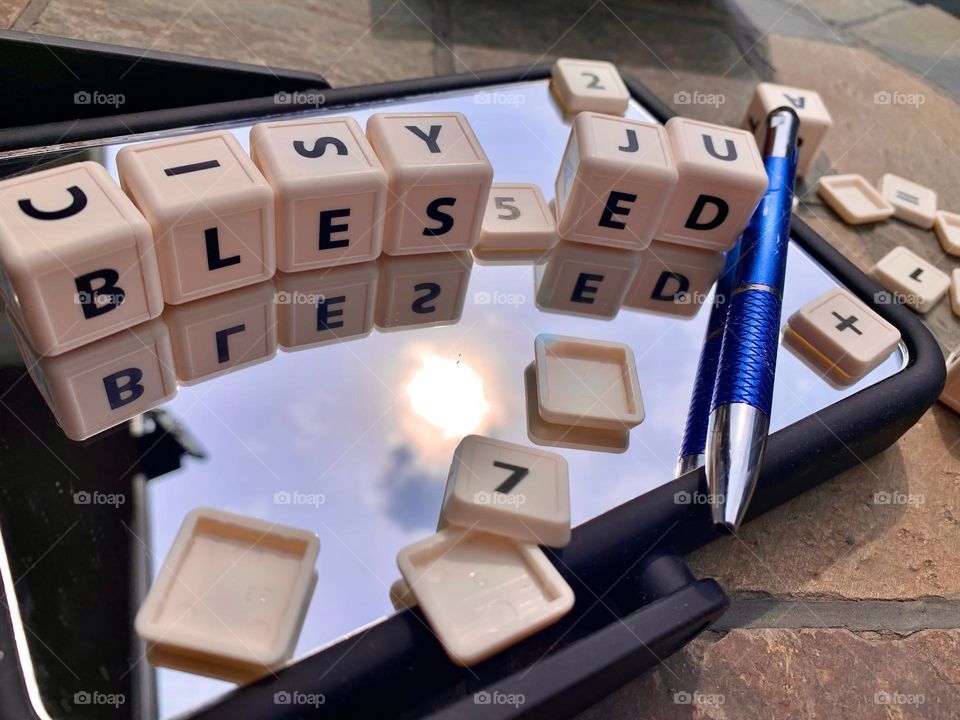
pixel 353 440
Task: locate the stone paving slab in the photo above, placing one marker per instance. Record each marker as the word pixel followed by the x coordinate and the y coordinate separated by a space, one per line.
pixel 10 10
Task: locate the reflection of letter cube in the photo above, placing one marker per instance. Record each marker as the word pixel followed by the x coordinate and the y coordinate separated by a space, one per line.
pixel 673 279
pixel 76 257
pixel 814 118
pixel 615 181
pixel 439 180
pixel 107 382
pixel 211 212
pixel 326 306
pixel 222 333
pixel 330 188
pixel 422 291
pixel 582 280
pixel 510 490
pixel 722 178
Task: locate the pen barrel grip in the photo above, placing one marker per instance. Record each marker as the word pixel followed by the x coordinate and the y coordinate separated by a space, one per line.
pixel 748 354
pixel 695 431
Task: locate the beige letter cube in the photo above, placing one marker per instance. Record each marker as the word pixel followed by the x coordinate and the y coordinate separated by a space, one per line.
pixel 76 257
pixel 211 212
pixel 107 382
pixel 223 333
pixel 326 306
pixel 329 188
pixel 439 180
pixel 814 118
pixel 422 291
pixel 508 489
pixel 722 179
pixel 615 181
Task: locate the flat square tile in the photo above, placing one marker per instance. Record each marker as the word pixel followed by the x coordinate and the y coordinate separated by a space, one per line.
pixel 854 199
pixel 508 489
pixel 911 279
pixel 912 202
pixel 947 227
pixel 517 218
pixel 588 383
pixel 482 593
pixel 589 85
pixel 573 437
pixel 955 291
pixel 233 591
pixel 951 391
pixel 844 333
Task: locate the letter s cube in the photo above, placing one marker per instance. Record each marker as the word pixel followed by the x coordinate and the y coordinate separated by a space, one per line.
pixel 76 257
pixel 439 180
pixel 615 181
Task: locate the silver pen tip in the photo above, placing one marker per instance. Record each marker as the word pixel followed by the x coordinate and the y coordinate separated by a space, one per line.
pixel 736 438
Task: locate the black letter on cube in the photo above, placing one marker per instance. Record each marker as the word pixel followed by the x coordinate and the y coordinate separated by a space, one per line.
pixel 327 228
pixel 214 261
pixel 120 394
pixel 223 349
pixel 694 222
pixel 613 207
pixel 89 296
pixel 434 213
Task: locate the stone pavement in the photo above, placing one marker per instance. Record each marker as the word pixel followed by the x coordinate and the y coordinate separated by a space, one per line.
pixel 846 602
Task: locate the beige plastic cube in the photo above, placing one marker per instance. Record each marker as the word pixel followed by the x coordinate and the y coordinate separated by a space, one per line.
pixel 589 85
pixel 722 179
pixel 951 391
pixel 482 593
pixel 422 291
pixel 76 257
pixel 558 435
pixel 401 596
pixel 843 334
pixel 955 291
pixel 223 333
pixel 231 596
pixel 585 280
pixel 517 219
pixel 673 279
pixel 330 191
pixel 615 181
pixel 439 179
pixel 211 211
pixel 587 383
pixel 947 227
pixel 100 385
pixel 815 120
pixel 508 489
pixel 854 199
pixel 912 202
pixel 911 279
pixel 327 306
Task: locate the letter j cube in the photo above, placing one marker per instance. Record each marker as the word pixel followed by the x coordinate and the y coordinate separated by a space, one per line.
pixel 615 181
pixel 211 211
pixel 76 257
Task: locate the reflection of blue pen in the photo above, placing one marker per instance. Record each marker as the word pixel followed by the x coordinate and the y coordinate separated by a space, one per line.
pixel 695 432
pixel 743 393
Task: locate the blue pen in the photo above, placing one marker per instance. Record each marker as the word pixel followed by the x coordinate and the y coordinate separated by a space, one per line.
pixel 742 395
pixel 695 433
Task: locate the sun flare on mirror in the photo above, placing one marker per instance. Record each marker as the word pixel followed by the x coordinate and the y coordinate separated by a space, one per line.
pixel 448 394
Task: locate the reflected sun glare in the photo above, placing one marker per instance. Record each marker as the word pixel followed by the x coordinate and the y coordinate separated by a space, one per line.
pixel 448 394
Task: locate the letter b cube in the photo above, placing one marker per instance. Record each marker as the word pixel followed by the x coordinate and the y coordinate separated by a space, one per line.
pixel 615 181
pixel 76 258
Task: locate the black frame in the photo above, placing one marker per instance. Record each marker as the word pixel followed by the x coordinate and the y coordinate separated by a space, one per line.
pixel 637 602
